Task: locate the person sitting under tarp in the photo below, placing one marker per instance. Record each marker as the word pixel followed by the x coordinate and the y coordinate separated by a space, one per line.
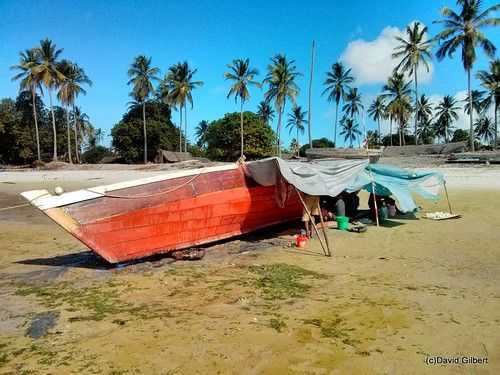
pixel 311 203
pixel 344 204
pixel 382 200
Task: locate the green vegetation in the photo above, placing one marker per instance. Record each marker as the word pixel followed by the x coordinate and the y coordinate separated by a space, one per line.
pixel 222 137
pixel 277 324
pixel 127 137
pixel 281 281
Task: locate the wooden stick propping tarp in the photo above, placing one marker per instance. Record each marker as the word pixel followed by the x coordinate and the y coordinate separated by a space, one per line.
pixel 327 252
pixel 447 198
pixel 324 230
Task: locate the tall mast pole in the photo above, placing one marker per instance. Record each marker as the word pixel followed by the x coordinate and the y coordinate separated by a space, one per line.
pixel 309 113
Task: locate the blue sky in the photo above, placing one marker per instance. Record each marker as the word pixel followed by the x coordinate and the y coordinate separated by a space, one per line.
pixel 104 36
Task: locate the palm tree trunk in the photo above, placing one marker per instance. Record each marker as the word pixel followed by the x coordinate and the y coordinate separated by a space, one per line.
pixel 391 131
pixel 378 124
pixel 33 94
pixel 310 100
pixel 54 130
pixel 241 126
pixel 335 126
pixel 495 139
pixel 470 112
pixel 75 125
pixel 278 131
pixel 416 107
pixel 180 128
pixel 145 134
pixel 185 128
pixel 69 135
pixel 298 145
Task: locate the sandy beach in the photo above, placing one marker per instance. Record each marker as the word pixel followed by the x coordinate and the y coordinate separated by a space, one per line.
pixel 395 299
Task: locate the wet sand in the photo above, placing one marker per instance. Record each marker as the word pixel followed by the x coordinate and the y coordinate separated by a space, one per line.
pixel 387 301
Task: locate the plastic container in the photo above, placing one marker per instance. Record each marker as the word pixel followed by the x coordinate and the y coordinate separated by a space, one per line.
pixel 301 240
pixel 383 213
pixel 392 210
pixel 342 222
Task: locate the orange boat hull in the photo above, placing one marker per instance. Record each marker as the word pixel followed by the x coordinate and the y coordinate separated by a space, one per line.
pixel 173 214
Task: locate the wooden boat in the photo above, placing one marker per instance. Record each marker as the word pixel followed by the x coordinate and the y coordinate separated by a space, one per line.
pixel 343 153
pixel 135 219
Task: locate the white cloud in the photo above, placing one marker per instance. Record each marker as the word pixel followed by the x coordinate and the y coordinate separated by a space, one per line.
pixel 371 61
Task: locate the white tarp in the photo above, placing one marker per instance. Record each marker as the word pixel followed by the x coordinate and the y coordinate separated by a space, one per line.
pixel 319 177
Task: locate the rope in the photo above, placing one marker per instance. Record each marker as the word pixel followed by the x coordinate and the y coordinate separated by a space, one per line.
pixel 149 195
pixel 22 205
pixel 11 207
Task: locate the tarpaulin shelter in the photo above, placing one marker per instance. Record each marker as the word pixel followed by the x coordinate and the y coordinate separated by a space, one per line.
pixel 331 177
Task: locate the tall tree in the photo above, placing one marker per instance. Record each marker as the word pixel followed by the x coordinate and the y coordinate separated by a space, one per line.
pixel 297 120
pixel 490 80
pixel 180 78
pixel 337 82
pixel 30 82
pixel 64 67
pixel 446 112
pixel 265 112
pixel 243 76
pixel 350 129
pixel 353 106
pixel 463 30
pixel 377 112
pixel 477 102
pixel 484 129
pixel 424 117
pixel 397 90
pixel 413 52
pixel 280 78
pixel 141 74
pixel 200 131
pixel 50 76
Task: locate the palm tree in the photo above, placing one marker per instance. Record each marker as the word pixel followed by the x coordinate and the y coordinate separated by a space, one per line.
pixel 477 102
pixel 352 104
pixel 446 111
pixel 50 76
pixel 424 116
pixel 426 130
pixel 181 83
pixel 337 82
pixel 82 125
pixel 399 107
pixel 490 80
pixel 141 74
pixel 485 129
pixel 200 132
pixel 413 52
pixel 462 30
pixel 297 120
pixel 64 67
pixel 242 74
pixel 30 82
pixel 349 129
pixel 377 112
pixel 71 87
pixel 265 112
pixel 281 80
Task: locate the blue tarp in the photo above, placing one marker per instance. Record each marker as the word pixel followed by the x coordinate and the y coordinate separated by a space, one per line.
pixel 399 183
pixel 330 177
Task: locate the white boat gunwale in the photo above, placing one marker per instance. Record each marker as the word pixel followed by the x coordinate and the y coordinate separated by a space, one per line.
pixel 44 200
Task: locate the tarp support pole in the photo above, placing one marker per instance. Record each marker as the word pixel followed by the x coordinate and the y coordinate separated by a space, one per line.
pixel 311 220
pixel 447 198
pixel 324 231
pixel 370 170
